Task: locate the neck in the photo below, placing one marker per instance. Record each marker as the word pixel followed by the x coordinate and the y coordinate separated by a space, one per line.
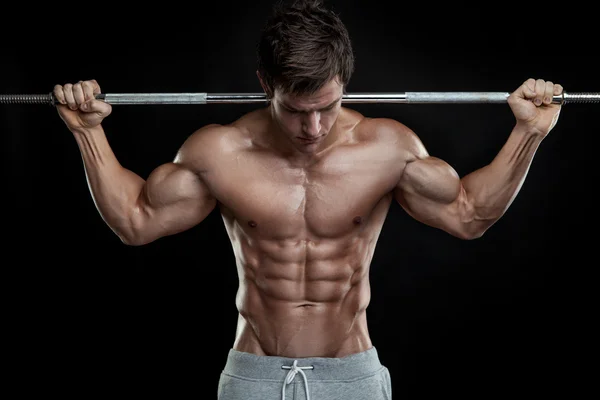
pixel 279 142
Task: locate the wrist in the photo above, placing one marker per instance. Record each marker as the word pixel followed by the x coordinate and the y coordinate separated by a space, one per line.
pixel 85 130
pixel 527 129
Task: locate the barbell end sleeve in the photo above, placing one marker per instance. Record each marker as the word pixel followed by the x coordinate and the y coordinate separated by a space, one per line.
pixel 580 97
pixel 27 99
pixel 48 99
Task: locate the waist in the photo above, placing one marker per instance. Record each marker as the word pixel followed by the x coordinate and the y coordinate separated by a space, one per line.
pixel 297 333
pixel 349 367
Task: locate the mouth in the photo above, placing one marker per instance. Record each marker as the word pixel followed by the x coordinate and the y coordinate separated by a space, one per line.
pixel 309 140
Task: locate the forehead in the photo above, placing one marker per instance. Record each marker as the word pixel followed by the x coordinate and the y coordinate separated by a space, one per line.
pixel 329 93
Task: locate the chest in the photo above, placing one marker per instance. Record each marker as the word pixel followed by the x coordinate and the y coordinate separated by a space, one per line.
pixel 334 196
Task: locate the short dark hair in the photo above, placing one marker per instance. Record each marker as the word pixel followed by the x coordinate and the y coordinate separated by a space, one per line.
pixel 302 46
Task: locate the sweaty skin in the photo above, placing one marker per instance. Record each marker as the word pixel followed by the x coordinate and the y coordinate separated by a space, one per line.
pixel 303 217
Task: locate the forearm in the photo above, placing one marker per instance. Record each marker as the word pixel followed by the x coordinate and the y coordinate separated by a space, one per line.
pixel 492 189
pixel 115 190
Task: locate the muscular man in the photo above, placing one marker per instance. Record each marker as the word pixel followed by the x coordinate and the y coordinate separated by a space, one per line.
pixel 304 186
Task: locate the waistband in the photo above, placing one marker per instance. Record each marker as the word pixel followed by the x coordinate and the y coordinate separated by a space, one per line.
pixel 349 367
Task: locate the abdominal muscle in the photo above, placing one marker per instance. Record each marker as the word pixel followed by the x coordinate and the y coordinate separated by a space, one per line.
pixel 303 298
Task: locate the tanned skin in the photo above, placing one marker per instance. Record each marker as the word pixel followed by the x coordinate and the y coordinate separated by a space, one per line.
pixel 304 186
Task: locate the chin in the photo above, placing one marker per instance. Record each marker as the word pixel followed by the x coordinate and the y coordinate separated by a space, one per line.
pixel 312 149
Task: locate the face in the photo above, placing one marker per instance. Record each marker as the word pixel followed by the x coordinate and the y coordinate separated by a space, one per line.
pixel 306 120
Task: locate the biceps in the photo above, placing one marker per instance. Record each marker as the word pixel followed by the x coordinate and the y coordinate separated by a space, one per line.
pixel 434 213
pixel 431 191
pixel 431 179
pixel 173 199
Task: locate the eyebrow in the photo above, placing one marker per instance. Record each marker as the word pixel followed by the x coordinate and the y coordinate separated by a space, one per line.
pixel 330 105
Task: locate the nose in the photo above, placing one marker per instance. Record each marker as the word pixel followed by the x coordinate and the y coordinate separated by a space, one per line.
pixel 312 123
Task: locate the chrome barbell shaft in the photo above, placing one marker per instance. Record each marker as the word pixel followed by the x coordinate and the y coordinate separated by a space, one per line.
pixel 407 97
pixel 228 98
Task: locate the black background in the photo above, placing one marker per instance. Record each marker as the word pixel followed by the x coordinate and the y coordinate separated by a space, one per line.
pixel 510 313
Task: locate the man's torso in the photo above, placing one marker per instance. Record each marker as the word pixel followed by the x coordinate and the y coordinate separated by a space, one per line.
pixel 304 236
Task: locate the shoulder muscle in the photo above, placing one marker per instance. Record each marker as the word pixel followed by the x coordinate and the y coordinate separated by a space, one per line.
pixel 203 147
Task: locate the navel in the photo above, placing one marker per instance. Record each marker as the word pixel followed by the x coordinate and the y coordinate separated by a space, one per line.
pixel 357 220
pixel 252 224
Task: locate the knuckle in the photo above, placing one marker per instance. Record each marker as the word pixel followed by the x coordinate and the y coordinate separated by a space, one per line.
pixel 88 87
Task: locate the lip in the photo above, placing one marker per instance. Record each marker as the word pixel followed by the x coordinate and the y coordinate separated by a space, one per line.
pixel 309 140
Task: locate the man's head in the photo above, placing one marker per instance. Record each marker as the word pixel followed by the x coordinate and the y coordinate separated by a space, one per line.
pixel 305 61
pixel 302 47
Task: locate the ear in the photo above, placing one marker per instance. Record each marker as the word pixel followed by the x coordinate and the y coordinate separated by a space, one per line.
pixel 262 84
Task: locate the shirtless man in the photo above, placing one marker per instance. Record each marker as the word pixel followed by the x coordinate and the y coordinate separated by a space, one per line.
pixel 304 186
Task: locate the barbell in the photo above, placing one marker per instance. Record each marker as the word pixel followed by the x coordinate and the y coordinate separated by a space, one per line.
pixel 229 98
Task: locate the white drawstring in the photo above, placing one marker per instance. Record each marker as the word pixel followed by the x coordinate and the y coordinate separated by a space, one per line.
pixel 294 369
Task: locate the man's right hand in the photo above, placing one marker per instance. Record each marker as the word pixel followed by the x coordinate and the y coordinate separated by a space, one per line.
pixel 78 106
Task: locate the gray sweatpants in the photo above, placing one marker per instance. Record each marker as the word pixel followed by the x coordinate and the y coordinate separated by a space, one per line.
pixel 355 377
